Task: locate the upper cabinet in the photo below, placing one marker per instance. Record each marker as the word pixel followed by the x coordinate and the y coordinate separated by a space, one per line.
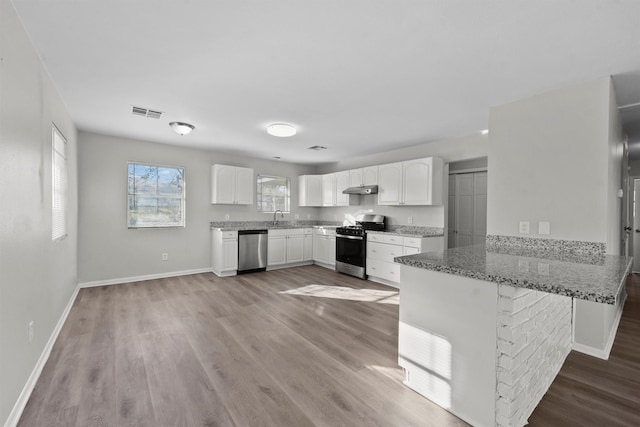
pixel 231 185
pixel 310 190
pixel 332 186
pixel 363 176
pixel 414 182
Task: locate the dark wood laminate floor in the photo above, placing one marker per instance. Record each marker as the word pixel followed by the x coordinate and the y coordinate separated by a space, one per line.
pixel 290 347
pixel 594 392
pixel 296 347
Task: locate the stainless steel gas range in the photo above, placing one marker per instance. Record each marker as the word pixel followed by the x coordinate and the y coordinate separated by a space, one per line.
pixel 351 244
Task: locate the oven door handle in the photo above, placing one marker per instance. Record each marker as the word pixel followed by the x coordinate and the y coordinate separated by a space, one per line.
pixel 342 236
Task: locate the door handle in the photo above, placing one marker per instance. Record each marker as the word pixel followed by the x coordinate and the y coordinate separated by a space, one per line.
pixel 627 228
pixel 637 231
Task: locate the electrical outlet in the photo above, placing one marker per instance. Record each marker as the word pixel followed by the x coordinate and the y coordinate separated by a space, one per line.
pixel 410 220
pixel 165 256
pixel 296 216
pixel 524 227
pixel 30 331
pixel 308 216
pixel 226 217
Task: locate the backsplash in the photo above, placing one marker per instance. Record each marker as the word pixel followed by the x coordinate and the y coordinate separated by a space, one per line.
pixel 415 229
pixel 569 247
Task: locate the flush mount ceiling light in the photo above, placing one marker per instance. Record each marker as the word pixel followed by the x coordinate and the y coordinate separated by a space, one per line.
pixel 281 130
pixel 181 128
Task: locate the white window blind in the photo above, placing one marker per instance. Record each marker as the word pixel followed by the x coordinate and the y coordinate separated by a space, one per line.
pixel 273 193
pixel 156 196
pixel 58 185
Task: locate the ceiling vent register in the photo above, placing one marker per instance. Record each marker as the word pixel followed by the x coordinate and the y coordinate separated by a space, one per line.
pixel 145 112
pixel 316 147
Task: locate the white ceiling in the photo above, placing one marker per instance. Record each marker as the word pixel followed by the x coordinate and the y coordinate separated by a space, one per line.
pixel 357 76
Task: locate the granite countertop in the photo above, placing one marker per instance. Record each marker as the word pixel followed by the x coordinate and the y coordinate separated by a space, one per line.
pixel 597 278
pixel 409 233
pixel 264 225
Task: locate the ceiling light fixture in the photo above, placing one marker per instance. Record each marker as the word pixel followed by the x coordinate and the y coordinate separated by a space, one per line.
pixel 484 132
pixel 281 130
pixel 181 127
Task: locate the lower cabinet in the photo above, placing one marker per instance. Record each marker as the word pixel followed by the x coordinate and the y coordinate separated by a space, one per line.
pixel 287 247
pixel 382 248
pixel 324 247
pixel 224 252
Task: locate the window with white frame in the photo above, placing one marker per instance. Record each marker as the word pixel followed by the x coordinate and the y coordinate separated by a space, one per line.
pixel 273 193
pixel 156 196
pixel 58 185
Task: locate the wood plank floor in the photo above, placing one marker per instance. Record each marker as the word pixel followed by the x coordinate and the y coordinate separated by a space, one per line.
pixel 296 347
pixel 594 392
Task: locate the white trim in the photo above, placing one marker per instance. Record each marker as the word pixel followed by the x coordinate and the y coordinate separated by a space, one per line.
pixel 603 353
pixel 141 278
pixel 20 404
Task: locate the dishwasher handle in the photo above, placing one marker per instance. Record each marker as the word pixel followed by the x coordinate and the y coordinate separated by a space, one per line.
pixel 252 232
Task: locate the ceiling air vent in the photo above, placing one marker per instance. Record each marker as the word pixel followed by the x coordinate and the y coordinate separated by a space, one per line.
pixel 145 112
pixel 316 147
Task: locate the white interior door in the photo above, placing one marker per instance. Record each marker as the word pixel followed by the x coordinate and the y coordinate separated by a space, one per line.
pixel 467 217
pixel 464 209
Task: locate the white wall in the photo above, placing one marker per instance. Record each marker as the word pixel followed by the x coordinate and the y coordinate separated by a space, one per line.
pixel 616 138
pixel 109 251
pixel 551 158
pixel 38 275
pixel 450 150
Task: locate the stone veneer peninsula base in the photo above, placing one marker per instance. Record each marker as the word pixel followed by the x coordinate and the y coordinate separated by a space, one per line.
pixel 485 351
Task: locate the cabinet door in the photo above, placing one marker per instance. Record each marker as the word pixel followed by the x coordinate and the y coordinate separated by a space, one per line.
pixel 310 190
pixel 331 250
pixel 342 183
pixel 229 254
pixel 370 175
pixel 355 178
pixel 277 250
pixel 328 190
pixel 295 248
pixel 307 250
pixel 389 183
pixel 223 184
pixel 320 248
pixel 416 180
pixel 245 184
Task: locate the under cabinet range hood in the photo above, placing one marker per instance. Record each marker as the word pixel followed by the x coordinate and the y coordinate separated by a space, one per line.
pixel 364 189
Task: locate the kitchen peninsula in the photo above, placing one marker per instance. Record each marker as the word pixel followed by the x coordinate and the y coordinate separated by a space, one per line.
pixel 485 329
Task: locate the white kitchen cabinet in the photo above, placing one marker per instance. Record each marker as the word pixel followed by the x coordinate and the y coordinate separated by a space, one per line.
pixel 224 252
pixel 285 247
pixel 276 249
pixel 370 175
pixel 382 248
pixel 355 178
pixel 307 246
pixel 390 184
pixel 324 247
pixel 413 182
pixel 310 190
pixel 231 185
pixel 363 176
pixel 332 186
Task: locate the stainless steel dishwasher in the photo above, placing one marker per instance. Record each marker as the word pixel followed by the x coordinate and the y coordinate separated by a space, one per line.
pixel 252 251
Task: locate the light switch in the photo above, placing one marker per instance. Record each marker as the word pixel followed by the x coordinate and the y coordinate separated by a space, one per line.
pixel 524 227
pixel 544 227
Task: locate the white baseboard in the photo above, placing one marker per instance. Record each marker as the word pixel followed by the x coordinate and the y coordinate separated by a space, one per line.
pixel 606 351
pixel 141 278
pixel 20 404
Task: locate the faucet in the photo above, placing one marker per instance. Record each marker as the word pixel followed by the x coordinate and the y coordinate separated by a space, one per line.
pixel 275 220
